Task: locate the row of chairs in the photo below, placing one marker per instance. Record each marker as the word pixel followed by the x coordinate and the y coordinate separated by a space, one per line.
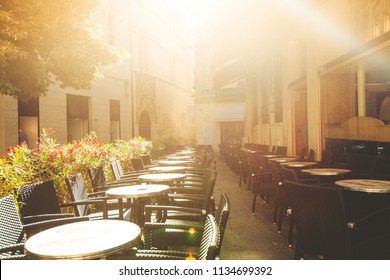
pixel 317 214
pixel 40 202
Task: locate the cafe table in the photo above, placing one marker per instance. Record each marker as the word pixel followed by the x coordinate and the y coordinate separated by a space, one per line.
pixel 162 169
pixel 326 171
pixel 299 164
pixel 365 185
pixel 185 153
pixel 83 240
pixel 365 196
pixel 268 156
pixel 173 162
pixel 175 157
pixel 138 193
pixel 282 159
pixel 171 179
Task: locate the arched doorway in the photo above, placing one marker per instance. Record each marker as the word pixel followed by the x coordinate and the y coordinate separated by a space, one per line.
pixel 145 125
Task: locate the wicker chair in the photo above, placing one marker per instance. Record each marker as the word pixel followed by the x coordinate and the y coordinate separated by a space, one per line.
pixel 121 176
pixel 261 179
pixel 81 201
pixel 280 207
pixel 200 199
pixel 13 233
pixel 323 229
pixel 147 161
pixel 39 202
pixel 99 181
pixel 207 249
pixel 177 238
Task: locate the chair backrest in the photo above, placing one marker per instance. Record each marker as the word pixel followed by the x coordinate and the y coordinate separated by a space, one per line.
pixel 137 164
pixel 222 216
pixel 116 169
pixel 303 153
pixel 277 181
pixel 281 150
pixel 254 163
pixel 97 177
pixel 11 228
pixel 311 155
pixel 209 180
pixel 326 158
pixel 78 192
pixel 320 221
pixel 210 240
pixel 289 174
pixel 38 198
pixel 146 159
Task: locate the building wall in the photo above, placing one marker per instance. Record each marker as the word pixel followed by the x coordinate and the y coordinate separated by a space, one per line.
pixel 305 36
pixel 156 41
pixel 9 122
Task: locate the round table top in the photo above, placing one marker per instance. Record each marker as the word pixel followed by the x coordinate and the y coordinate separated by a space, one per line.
pixel 365 185
pixel 172 162
pixel 255 151
pixel 168 168
pixel 135 191
pixel 179 157
pixel 298 164
pixel 271 156
pixel 83 240
pixel 186 152
pixel 161 176
pixel 282 159
pixel 326 171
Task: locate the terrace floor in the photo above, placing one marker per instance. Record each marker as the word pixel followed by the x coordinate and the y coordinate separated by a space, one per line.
pixel 247 236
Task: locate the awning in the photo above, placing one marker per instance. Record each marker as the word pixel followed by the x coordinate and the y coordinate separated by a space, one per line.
pixel 230 112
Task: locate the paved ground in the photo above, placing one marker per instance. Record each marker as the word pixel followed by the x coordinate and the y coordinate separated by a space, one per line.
pixel 249 237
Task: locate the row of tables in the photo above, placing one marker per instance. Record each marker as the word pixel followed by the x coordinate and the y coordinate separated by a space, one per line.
pixel 100 238
pixel 308 167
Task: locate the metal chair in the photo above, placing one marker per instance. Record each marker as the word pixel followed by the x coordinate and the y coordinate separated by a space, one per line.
pixel 323 229
pixel 207 249
pixel 39 202
pixel 81 201
pixel 13 233
pixel 178 238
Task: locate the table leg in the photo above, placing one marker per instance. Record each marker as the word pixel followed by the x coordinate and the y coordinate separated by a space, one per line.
pixel 120 206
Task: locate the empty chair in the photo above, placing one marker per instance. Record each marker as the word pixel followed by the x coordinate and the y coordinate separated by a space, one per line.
pixel 207 249
pixel 39 202
pixel 178 238
pixel 78 193
pixel 13 232
pixel 201 200
pixel 124 177
pixel 260 179
pixel 280 204
pixel 311 155
pixel 98 179
pixel 323 229
pixel 281 150
pixel 147 161
pixel 326 159
pixel 137 164
pixel 303 153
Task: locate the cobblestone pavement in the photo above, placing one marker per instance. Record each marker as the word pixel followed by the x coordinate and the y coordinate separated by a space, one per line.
pixel 247 236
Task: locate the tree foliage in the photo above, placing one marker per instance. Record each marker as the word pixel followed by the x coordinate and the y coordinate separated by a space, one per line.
pixel 49 41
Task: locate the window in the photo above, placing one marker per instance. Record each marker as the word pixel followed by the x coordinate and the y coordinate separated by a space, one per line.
pixel 77 116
